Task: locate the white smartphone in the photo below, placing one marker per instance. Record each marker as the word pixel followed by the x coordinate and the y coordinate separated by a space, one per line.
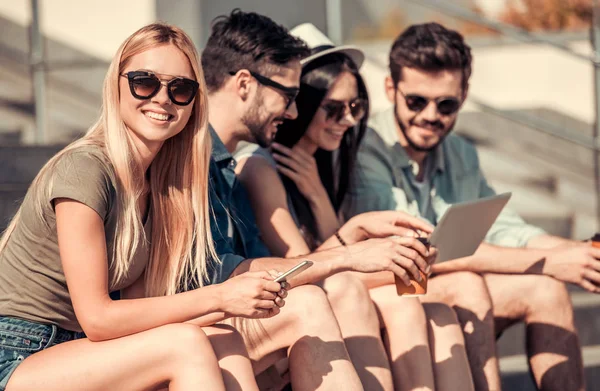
pixel 299 268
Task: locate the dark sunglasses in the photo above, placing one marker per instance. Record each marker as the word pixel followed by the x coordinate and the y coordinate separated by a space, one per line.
pixel 447 105
pixel 290 93
pixel 336 109
pixel 145 85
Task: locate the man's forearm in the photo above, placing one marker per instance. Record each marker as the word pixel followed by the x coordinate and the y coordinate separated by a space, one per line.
pixel 326 263
pixel 548 241
pixel 493 259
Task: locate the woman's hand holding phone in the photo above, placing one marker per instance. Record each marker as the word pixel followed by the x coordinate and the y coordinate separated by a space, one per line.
pixel 252 295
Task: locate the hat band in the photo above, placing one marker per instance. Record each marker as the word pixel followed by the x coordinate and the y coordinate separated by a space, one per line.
pixel 322 48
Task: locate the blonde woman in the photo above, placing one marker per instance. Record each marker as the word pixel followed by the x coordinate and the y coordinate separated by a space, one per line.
pixel 126 208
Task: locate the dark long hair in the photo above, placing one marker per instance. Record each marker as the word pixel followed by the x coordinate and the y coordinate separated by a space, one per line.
pixel 317 78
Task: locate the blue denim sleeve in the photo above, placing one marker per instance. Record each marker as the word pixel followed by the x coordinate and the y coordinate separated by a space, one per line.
pixel 221 268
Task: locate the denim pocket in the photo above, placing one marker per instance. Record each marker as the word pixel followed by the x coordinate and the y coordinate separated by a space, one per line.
pixel 14 340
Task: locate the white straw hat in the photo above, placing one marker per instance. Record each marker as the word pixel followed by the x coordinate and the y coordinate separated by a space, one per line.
pixel 319 42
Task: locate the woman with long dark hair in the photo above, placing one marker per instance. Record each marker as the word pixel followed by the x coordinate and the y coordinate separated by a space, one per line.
pixel 297 189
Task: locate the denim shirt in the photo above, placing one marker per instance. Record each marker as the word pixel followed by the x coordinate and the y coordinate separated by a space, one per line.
pixel 233 225
pixel 383 180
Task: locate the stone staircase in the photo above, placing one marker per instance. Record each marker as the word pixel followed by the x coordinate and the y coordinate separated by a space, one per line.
pixel 553 187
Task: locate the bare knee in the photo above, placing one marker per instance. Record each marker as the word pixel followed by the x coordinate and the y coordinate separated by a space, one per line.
pixel 309 309
pixel 226 341
pixel 400 311
pixel 349 296
pixel 545 295
pixel 440 314
pixel 468 292
pixel 187 343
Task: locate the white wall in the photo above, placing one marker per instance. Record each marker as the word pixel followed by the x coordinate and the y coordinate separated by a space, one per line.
pixel 96 27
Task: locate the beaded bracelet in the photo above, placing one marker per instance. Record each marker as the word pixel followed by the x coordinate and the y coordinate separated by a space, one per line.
pixel 339 238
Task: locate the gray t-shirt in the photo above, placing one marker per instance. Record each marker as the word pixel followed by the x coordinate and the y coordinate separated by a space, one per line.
pixel 32 281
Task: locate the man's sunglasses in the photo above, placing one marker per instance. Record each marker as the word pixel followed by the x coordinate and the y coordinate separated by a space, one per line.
pixel 290 93
pixel 336 109
pixel 447 105
pixel 145 85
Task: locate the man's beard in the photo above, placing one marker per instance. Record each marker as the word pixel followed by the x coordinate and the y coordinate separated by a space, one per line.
pixel 258 127
pixel 416 147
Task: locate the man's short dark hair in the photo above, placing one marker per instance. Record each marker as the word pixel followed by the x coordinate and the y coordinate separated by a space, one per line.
pixel 432 48
pixel 247 40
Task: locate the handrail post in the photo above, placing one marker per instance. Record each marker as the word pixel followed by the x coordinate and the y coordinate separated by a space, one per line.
pixel 596 45
pixel 38 73
pixel 333 10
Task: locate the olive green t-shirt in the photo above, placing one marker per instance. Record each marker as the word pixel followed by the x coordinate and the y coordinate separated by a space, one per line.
pixel 32 281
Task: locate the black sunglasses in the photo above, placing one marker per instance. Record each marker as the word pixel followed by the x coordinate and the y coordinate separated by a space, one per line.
pixel 446 105
pixel 145 85
pixel 336 109
pixel 290 93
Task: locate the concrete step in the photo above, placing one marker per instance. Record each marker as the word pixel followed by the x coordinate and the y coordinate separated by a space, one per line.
pixel 499 166
pixel 516 377
pixel 537 206
pixel 20 164
pixel 11 197
pixel 500 132
pixel 586 307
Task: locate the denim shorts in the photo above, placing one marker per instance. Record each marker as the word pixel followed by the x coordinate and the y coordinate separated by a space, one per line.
pixel 21 338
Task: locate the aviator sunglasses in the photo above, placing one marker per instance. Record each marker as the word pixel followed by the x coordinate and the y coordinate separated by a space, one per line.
pixel 290 93
pixel 446 105
pixel 336 109
pixel 145 85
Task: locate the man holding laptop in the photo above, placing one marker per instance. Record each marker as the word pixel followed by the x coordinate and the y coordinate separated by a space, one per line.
pixel 409 160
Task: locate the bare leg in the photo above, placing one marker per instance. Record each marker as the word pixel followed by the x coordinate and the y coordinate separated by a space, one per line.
pixel 543 303
pixel 231 353
pixel 307 328
pixel 359 325
pixel 450 362
pixel 406 338
pixel 179 355
pixel 467 294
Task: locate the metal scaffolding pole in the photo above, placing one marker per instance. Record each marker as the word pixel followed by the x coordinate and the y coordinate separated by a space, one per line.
pixel 596 44
pixel 38 75
pixel 333 10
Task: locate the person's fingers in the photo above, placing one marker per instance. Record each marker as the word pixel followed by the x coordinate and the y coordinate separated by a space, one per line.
pixel 408 265
pixel 594 251
pixel 594 264
pixel 400 272
pixel 588 286
pixel 397 230
pixel 433 254
pixel 272 286
pixel 266 295
pixel 289 162
pixel 288 173
pixel 413 243
pixel 282 149
pixel 411 254
pixel 592 275
pixel 282 293
pixel 279 302
pixel 415 223
pixel 265 304
pixel 273 311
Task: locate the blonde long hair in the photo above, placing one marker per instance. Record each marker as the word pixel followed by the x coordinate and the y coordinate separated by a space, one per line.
pixel 181 242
